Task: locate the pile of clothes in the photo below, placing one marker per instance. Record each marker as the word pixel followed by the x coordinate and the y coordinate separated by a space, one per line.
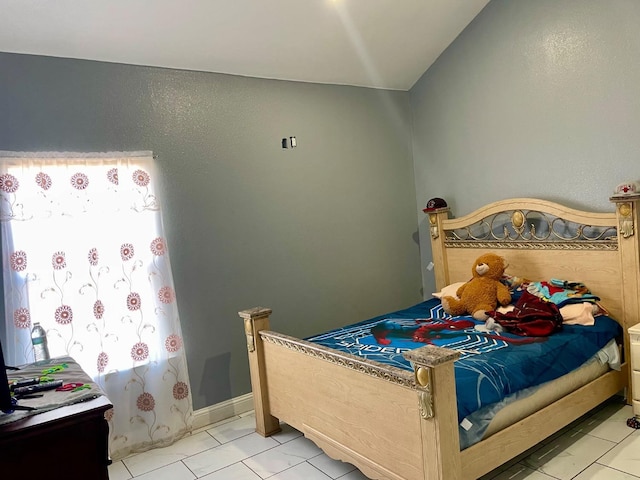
pixel 537 310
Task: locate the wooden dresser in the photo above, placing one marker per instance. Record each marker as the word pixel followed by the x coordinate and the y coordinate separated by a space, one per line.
pixel 634 342
pixel 67 442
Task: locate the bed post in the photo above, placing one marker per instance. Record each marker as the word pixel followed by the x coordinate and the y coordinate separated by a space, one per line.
pixel 436 388
pixel 629 246
pixel 255 320
pixel 439 259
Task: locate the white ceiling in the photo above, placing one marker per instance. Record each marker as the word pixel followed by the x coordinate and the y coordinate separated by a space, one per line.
pixel 375 43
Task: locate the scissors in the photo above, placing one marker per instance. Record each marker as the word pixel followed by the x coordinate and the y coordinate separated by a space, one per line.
pixel 73 387
pixel 15 406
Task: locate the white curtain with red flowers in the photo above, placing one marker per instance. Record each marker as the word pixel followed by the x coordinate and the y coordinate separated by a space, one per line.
pixel 84 254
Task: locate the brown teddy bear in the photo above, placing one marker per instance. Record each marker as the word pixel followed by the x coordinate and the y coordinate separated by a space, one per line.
pixel 483 292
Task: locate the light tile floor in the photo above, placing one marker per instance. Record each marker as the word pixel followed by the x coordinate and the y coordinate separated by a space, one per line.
pixel 598 446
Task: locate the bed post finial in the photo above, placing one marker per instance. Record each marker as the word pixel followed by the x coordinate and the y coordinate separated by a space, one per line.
pixel 250 316
pixel 255 320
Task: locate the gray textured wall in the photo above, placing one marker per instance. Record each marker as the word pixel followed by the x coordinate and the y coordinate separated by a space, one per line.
pixel 535 98
pixel 324 234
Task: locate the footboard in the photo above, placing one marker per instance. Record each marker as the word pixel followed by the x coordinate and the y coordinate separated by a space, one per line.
pixel 390 423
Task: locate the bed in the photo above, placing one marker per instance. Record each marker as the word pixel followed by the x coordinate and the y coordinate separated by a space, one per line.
pixel 396 423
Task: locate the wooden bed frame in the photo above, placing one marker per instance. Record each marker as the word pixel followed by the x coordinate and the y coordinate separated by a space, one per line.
pixel 397 424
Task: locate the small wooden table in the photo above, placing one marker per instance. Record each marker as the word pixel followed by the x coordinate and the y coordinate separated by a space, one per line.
pixel 69 442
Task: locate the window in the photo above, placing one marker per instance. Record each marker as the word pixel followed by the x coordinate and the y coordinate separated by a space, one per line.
pixel 85 256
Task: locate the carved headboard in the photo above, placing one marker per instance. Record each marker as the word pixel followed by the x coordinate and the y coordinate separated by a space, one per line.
pixel 541 240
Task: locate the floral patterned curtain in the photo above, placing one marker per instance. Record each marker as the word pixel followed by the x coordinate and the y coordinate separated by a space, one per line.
pixel 84 254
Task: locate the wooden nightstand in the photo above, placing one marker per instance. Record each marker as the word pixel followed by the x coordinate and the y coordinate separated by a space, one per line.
pixel 69 442
pixel 634 340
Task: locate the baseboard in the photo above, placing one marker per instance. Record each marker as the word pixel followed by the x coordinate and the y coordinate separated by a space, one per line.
pixel 222 411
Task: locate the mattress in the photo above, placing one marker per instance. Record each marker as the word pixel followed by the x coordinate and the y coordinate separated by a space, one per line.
pixel 493 367
pixel 486 421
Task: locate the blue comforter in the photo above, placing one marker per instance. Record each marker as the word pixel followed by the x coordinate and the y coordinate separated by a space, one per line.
pixel 491 365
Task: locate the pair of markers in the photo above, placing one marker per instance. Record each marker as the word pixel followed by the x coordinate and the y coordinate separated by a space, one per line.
pixel 27 382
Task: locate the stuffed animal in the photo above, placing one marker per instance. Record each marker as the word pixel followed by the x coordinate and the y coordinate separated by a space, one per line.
pixel 483 292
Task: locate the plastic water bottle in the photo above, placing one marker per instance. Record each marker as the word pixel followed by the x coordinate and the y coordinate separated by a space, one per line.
pixel 39 341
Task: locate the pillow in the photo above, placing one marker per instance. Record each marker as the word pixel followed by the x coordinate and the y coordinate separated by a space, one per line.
pixel 579 313
pixel 449 290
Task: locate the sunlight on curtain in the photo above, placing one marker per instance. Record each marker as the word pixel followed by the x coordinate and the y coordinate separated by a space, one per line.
pixel 85 255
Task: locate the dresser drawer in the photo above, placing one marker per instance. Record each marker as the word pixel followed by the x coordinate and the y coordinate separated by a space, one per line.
pixel 635 384
pixel 635 354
